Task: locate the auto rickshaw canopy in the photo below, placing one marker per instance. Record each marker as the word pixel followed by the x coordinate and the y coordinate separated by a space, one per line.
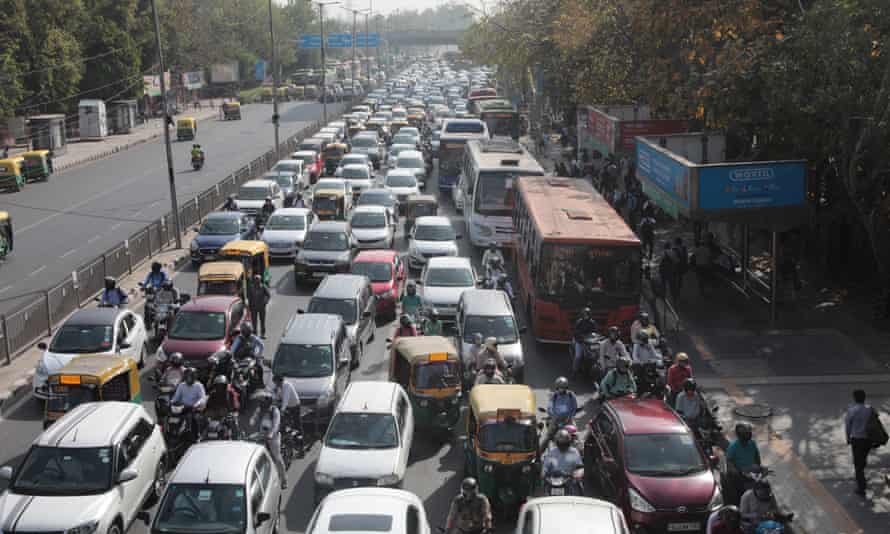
pixel 186 122
pixel 335 150
pixel 11 166
pixel 220 271
pixel 496 400
pixel 90 378
pixel 100 367
pixel 428 204
pixel 244 247
pixel 424 348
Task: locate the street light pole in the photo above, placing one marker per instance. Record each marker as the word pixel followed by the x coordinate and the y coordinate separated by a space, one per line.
pixel 274 82
pixel 354 15
pixel 324 63
pixel 171 177
pixel 368 38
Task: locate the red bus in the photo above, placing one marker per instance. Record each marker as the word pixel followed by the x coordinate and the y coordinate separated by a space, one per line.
pixel 573 250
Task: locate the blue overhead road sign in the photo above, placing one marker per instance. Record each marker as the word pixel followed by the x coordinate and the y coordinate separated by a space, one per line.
pixel 339 40
pixel 373 40
pixel 309 41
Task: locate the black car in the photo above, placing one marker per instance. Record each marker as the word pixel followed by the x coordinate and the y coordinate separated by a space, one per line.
pixel 327 249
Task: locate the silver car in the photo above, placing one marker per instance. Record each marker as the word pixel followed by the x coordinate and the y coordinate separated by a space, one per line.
pixel 371 228
pixel 358 178
pixel 431 236
pixel 285 231
pixel 354 159
pixel 413 160
pixel 443 282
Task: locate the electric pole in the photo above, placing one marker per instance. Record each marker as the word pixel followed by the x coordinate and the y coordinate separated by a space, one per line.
pixel 171 177
pixel 324 63
pixel 275 116
pixel 368 38
pixel 354 15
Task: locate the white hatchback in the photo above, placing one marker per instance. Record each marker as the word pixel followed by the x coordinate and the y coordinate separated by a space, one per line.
pixel 370 510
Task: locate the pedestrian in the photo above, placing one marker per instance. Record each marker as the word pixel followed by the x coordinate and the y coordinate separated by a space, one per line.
pixel 258 297
pixel 647 235
pixel 682 254
pixel 703 265
pixel 856 429
pixel 667 269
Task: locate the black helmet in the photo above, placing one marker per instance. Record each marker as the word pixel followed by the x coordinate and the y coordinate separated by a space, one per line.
pixel 730 514
pixel 188 373
pixel 405 321
pixel 469 488
pixel 563 439
pixel 246 330
pixel 744 431
pixel 176 359
pixel 110 282
pixel 689 384
pixel 156 266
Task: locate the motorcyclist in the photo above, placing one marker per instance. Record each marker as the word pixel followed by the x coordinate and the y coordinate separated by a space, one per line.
pixel 248 345
pixel 197 152
pixel 288 404
pixel 611 349
pixel 411 300
pixel 619 381
pixel 584 326
pixel 167 294
pixel 433 325
pixel 678 373
pixel 562 458
pixel 269 417
pixel 175 372
pixel 743 455
pixel 490 254
pixel 231 204
pixel 497 275
pixel 267 209
pixel 562 404
pixel 643 324
pixel 490 374
pixel 470 511
pixel 644 352
pixel 156 277
pixel 726 520
pixel 490 351
pixel 223 401
pixel 113 296
pixel 756 506
pixel 406 327
pixel 688 404
pixel 191 395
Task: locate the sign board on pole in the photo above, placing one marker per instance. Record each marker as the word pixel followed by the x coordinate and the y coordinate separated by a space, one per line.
pixel 371 40
pixel 339 40
pixel 224 72
pixel 193 80
pixel 153 84
pixel 768 184
pixel 259 70
pixel 309 41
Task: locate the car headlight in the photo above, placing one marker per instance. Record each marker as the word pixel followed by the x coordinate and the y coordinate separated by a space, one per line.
pixel 85 528
pixel 388 480
pixel 488 468
pixel 323 479
pixel 638 503
pixel 41 370
pixel 716 500
pixel 161 355
pixel 194 246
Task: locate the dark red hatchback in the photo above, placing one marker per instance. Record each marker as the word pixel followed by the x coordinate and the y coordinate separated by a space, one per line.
pixel 645 459
pixel 205 325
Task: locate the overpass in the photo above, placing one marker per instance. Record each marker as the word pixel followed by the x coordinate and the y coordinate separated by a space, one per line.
pixel 423 37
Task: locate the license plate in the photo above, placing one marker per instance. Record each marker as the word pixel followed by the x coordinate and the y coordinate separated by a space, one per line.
pixel 683 527
pixel 556 492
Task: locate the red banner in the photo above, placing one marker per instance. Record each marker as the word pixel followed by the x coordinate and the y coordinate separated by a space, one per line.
pixel 631 129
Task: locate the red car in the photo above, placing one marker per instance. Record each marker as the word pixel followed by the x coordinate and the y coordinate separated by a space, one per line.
pixel 645 459
pixel 204 325
pixel 387 274
pixel 312 163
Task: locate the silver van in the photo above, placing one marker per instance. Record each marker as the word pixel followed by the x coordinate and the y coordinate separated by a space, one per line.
pixel 351 297
pixel 490 313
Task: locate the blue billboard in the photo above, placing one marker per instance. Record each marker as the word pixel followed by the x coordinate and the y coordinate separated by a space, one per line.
pixel 664 172
pixel 309 41
pixel 773 184
pixel 260 70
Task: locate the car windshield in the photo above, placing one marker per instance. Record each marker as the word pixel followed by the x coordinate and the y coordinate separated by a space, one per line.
pixel 434 232
pixel 376 198
pixel 253 193
pixel 507 436
pixel 398 180
pixel 308 159
pixel 345 308
pixel 436 375
pixel 303 361
pixel 286 222
pixel 198 325
pixel 219 226
pixel 81 339
pixel 360 173
pixel 410 163
pixel 662 455
pixel 366 219
pixel 326 241
pixel 287 167
pixel 284 180
pixel 64 471
pixel 475 127
pixel 362 431
pixel 503 327
pixel 449 277
pixel 202 508
pixel 364 142
pixel 375 271
pixel 354 160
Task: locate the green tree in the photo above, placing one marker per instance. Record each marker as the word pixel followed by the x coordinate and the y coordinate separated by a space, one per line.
pixel 111 37
pixel 12 31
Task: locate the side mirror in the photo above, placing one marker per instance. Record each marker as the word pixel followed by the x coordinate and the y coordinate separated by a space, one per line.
pixel 301 311
pixel 261 518
pixel 6 472
pixel 124 345
pixel 523 329
pixel 42 345
pixel 127 475
pixel 542 410
pixel 144 516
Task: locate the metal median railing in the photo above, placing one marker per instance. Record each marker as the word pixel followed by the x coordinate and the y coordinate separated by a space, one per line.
pixel 36 318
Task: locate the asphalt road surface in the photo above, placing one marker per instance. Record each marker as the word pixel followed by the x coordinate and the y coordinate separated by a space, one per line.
pixel 435 468
pixel 82 212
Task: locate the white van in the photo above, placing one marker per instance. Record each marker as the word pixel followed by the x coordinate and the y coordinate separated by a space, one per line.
pixel 578 515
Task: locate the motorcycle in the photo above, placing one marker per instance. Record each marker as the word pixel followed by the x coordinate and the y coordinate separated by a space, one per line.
pixel 591 367
pixel 165 390
pixel 160 309
pixel 221 428
pixel 198 162
pixel 559 484
pixel 499 280
pixel 178 433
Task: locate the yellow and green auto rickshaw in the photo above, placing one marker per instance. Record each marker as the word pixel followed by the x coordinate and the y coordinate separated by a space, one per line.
pixel 11 175
pixel 396 125
pixel 222 278
pixel 231 111
pixel 417 206
pixel 5 234
pixel 186 128
pixel 37 165
pixel 266 95
pixel 299 92
pixel 429 369
pixel 91 378
pixel 331 155
pixel 329 204
pixel 501 449
pixel 310 92
pixel 283 95
pixel 253 255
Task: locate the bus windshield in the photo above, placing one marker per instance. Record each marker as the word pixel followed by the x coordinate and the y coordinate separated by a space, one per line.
pixel 450 155
pixel 503 122
pixel 579 271
pixel 494 191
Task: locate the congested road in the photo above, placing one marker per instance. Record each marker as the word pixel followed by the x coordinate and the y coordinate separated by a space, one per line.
pixel 435 469
pixel 82 212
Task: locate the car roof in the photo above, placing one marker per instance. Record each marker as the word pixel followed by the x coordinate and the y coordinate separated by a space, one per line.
pixel 289 162
pixel 92 424
pixel 292 211
pixel 581 515
pixel 432 220
pixel 93 316
pixel 340 286
pixel 330 226
pixel 375 256
pixel 410 153
pixel 210 303
pixel 225 215
pixel 312 328
pixel 305 153
pixel 356 155
pixel 485 302
pixel 201 463
pixel 366 501
pixel 646 416
pixel 370 208
pixel 377 192
pixel 400 172
pixel 369 396
pixel 358 166
pixel 449 261
pixel 259 183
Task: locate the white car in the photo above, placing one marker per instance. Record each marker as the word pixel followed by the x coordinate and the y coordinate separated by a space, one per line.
pixel 92 471
pixel 413 160
pixel 555 515
pixel 111 331
pixel 358 178
pixel 285 231
pixel 370 510
pixel 252 195
pixel 431 236
pixel 368 441
pixel 371 228
pixel 394 151
pixel 443 281
pixel 354 159
pixel 402 183
pixel 221 486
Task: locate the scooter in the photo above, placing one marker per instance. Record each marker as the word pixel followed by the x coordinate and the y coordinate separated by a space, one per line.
pixel 198 162
pixel 559 484
pixel 591 367
pixel 178 432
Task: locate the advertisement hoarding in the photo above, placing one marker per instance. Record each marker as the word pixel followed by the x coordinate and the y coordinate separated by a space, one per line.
pixel 629 130
pixel 153 84
pixel 224 72
pixel 655 167
pixel 608 134
pixel 193 80
pixel 772 184
pixel 259 70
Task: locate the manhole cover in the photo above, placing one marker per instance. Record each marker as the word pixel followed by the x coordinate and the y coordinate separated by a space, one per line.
pixel 754 411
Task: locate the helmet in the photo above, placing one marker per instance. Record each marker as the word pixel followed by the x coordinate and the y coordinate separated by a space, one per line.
pixel 405 321
pixel 585 312
pixel 110 282
pixel 622 363
pixel 220 380
pixel 744 431
pixel 189 372
pixel 613 330
pixel 232 196
pixel 682 357
pixel 563 439
pixel 246 330
pixel 492 246
pixel 763 490
pixel 689 384
pixel 477 338
pixel 643 337
pixel 434 315
pixel 156 266
pixel 468 488
pixel 167 284
pixel 176 359
pixel 561 384
pixel 268 199
pixel 571 429
pixel 730 514
pixel 490 365
pixel 644 317
pixel 491 343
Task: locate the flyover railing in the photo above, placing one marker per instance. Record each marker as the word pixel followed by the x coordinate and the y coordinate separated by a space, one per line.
pixel 37 317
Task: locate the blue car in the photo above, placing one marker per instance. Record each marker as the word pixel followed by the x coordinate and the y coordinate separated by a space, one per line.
pixel 218 229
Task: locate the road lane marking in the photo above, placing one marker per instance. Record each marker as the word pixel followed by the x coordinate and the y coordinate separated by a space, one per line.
pixel 70 252
pixel 37 271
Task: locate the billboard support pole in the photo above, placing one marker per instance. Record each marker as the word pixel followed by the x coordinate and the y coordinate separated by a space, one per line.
pixel 275 116
pixel 774 280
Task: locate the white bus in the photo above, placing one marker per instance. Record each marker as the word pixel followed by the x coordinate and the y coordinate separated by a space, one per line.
pixel 488 172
